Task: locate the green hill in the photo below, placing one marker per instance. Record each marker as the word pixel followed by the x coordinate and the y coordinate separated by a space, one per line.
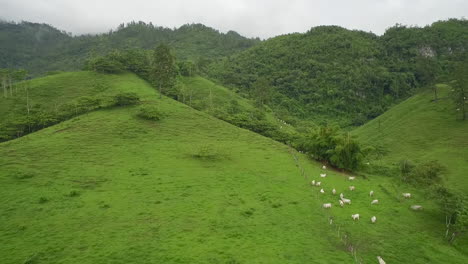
pixel 108 186
pixel 420 129
pixel 40 48
pixel 331 74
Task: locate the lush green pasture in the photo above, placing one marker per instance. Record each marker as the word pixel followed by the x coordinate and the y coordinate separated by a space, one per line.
pixel 420 130
pixel 109 187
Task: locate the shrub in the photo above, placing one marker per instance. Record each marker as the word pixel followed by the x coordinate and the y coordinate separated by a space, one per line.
pixel 208 152
pixel 406 166
pixel 328 144
pixel 126 98
pixel 149 112
pixel 105 65
pixel 427 173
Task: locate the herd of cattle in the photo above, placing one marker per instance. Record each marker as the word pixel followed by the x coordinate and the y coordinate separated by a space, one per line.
pixel 342 201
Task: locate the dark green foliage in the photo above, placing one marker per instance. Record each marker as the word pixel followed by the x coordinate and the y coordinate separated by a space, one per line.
pixel 328 144
pixel 41 48
pixel 460 87
pixel 426 173
pixel 149 112
pixel 107 64
pixel 126 98
pixel 163 69
pixel 187 68
pixel 406 166
pixel 455 207
pixel 331 73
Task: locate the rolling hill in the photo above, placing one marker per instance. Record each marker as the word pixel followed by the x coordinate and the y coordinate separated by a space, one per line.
pixel 420 129
pixel 108 186
pixel 40 47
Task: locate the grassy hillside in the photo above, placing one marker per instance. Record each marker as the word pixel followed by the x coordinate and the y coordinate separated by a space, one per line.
pixel 109 186
pixel 55 94
pixel 420 129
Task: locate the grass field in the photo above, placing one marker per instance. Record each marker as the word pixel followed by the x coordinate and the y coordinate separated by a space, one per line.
pixel 420 129
pixel 109 187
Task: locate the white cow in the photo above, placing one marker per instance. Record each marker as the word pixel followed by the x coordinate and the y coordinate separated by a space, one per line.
pixel 327 205
pixel 371 193
pixel 351 188
pixel 373 219
pixel 322 191
pixel 406 195
pixel 351 178
pixel 346 201
pixel 324 167
pixel 341 195
pixel 312 182
pixel 380 259
pixel 341 203
pixel 375 202
pixel 323 175
pixel 416 207
pixel 318 183
pixel 334 191
pixel 355 216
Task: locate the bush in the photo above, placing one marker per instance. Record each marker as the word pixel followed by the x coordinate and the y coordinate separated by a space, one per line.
pixel 427 173
pixel 208 152
pixel 149 112
pixel 128 98
pixel 339 149
pixel 105 65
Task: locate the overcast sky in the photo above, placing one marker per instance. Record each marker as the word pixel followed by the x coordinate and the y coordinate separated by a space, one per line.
pixel 252 18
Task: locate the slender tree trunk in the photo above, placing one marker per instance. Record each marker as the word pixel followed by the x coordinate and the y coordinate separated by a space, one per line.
pixel 160 91
pixel 11 87
pixel 5 90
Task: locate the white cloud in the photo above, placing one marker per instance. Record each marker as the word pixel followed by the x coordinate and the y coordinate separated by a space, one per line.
pixel 261 18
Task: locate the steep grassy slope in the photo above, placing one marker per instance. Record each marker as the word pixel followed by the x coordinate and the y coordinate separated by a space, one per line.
pixel 53 95
pixel 421 130
pixel 110 187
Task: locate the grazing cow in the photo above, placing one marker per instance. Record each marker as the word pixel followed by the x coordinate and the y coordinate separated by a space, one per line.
pixel 351 178
pixel 324 167
pixel 341 195
pixel 346 201
pixel 326 205
pixel 334 191
pixel 381 261
pixel 351 188
pixel 416 207
pixel 371 193
pixel 375 202
pixel 312 182
pixel 322 191
pixel 323 175
pixel 318 183
pixel 406 195
pixel 373 219
pixel 355 216
pixel 341 203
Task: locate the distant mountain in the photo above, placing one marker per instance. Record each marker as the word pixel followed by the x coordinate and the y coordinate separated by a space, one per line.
pixel 333 74
pixel 41 47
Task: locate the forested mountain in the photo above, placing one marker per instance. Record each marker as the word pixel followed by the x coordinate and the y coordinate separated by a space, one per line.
pixel 349 76
pixel 40 47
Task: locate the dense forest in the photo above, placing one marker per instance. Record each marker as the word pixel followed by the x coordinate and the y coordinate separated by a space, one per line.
pixel 40 47
pixel 344 75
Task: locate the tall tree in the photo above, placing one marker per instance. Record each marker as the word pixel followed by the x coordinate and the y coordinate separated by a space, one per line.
pixel 262 90
pixel 164 69
pixel 460 88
